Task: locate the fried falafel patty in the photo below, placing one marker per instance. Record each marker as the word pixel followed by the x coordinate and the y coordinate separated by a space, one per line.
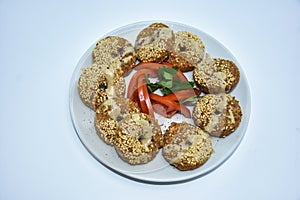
pixel 188 51
pixel 139 138
pixel 115 54
pixel 154 43
pixel 95 86
pixel 216 75
pixel 109 114
pixel 186 146
pixel 217 114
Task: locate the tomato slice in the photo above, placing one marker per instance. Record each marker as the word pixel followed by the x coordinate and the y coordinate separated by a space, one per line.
pixel 162 110
pixel 167 64
pixel 133 86
pixel 182 94
pixel 171 105
pixel 167 105
pixel 151 65
pixel 147 65
pixel 144 98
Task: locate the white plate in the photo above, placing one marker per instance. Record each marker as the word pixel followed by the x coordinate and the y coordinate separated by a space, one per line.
pixel 158 170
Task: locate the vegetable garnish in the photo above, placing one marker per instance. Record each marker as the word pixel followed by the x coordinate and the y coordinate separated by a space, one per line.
pixel 132 87
pixel 162 110
pixel 168 81
pixel 175 88
pixel 183 95
pixel 151 65
pixel 143 97
pixel 171 105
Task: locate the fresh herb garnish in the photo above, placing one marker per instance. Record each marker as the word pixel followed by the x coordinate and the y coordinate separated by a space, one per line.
pixel 182 85
pixel 190 99
pixel 168 82
pixel 167 73
pixel 152 87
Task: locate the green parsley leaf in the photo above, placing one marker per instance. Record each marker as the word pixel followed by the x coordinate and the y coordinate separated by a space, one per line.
pixel 182 85
pixel 167 81
pixel 190 99
pixel 167 73
pixel 166 84
pixel 152 87
pixel 166 91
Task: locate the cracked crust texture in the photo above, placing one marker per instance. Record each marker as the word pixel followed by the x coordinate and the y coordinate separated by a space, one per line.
pixel 139 138
pixel 186 146
pixel 188 51
pixel 216 75
pixel 109 115
pixel 217 114
pixel 95 86
pixel 115 54
pixel 154 43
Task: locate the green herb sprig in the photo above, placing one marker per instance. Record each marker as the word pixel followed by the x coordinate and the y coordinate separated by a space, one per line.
pixel 168 82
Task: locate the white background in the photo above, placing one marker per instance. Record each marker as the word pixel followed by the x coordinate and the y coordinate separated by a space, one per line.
pixel 41 42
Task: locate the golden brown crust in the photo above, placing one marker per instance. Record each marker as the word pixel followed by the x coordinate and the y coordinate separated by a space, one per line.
pixel 115 54
pixel 154 43
pixel 216 75
pixel 186 146
pixel 139 138
pixel 94 86
pixel 188 51
pixel 217 114
pixel 109 114
pixel 158 25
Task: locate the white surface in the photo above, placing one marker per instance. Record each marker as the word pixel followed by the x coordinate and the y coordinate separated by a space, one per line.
pixel 41 156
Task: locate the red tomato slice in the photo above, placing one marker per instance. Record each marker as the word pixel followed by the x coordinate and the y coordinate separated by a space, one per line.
pixel 133 86
pixel 171 105
pixel 151 65
pixel 143 97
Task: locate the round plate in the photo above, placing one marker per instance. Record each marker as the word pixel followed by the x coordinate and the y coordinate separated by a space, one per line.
pixel 157 170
